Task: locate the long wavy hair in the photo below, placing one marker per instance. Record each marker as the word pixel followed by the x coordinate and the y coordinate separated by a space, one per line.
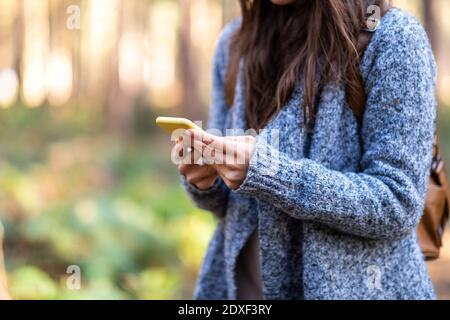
pixel 316 40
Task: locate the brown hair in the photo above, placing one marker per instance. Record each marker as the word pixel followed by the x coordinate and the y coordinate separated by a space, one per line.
pixel 317 40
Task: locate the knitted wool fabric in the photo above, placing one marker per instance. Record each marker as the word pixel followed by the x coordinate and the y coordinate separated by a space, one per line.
pixel 336 211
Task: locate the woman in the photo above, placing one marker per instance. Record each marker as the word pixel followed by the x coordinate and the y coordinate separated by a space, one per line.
pixel 325 203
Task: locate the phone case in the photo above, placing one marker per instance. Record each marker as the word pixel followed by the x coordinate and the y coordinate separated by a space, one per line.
pixel 171 124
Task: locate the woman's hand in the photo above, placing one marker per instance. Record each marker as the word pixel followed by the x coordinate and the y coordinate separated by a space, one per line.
pixel 229 157
pixel 202 177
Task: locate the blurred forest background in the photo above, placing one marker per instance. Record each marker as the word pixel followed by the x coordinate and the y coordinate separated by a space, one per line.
pixel 85 177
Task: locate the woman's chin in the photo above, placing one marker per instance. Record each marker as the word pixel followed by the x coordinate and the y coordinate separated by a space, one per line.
pixel 282 2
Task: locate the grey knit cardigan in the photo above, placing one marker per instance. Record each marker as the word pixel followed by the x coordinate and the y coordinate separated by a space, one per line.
pixel 337 209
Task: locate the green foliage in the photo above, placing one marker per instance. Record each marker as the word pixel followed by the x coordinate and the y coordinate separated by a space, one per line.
pixel 111 205
pixel 33 283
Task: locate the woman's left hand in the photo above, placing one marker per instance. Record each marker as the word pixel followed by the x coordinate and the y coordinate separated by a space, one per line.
pixel 229 156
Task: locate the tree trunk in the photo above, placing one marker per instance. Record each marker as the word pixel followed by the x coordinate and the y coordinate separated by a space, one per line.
pixel 430 22
pixel 18 44
pixel 190 103
pixel 4 295
pixel 119 104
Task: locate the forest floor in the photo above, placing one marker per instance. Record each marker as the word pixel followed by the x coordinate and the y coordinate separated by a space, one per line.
pixel 440 270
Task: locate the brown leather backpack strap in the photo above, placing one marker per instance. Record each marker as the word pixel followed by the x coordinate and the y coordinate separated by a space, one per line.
pixel 437 164
pixel 439 173
pixel 356 97
pixel 432 226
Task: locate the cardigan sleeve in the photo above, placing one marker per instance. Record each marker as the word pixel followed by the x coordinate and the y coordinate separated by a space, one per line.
pixel 216 198
pixel 385 198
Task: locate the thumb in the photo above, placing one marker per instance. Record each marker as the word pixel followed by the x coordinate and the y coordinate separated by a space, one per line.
pixel 201 139
pixel 206 146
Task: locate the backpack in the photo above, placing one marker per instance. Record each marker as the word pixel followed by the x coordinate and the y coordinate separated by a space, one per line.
pixel 437 203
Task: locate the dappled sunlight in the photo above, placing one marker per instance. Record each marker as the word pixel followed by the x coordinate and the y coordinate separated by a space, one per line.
pixel 130 63
pixel 59 78
pixel 36 33
pixel 34 86
pixel 161 50
pixel 9 87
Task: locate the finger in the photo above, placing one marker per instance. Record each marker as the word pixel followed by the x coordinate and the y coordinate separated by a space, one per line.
pixel 200 142
pixel 206 183
pixel 200 178
pixel 200 135
pixel 196 170
pixel 183 168
pixel 195 178
pixel 222 151
pixel 184 153
pixel 240 139
pixel 201 172
pixel 187 142
pixel 179 149
pixel 177 154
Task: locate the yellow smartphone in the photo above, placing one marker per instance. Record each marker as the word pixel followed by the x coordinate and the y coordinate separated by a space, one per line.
pixel 171 124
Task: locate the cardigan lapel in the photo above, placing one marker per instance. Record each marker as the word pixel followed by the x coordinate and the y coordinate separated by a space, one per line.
pixel 241 219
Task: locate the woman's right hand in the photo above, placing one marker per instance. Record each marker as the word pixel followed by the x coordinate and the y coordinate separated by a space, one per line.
pixel 202 177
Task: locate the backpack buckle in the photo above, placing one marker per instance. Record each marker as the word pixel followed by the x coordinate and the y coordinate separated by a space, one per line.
pixel 437 164
pixel 372 24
